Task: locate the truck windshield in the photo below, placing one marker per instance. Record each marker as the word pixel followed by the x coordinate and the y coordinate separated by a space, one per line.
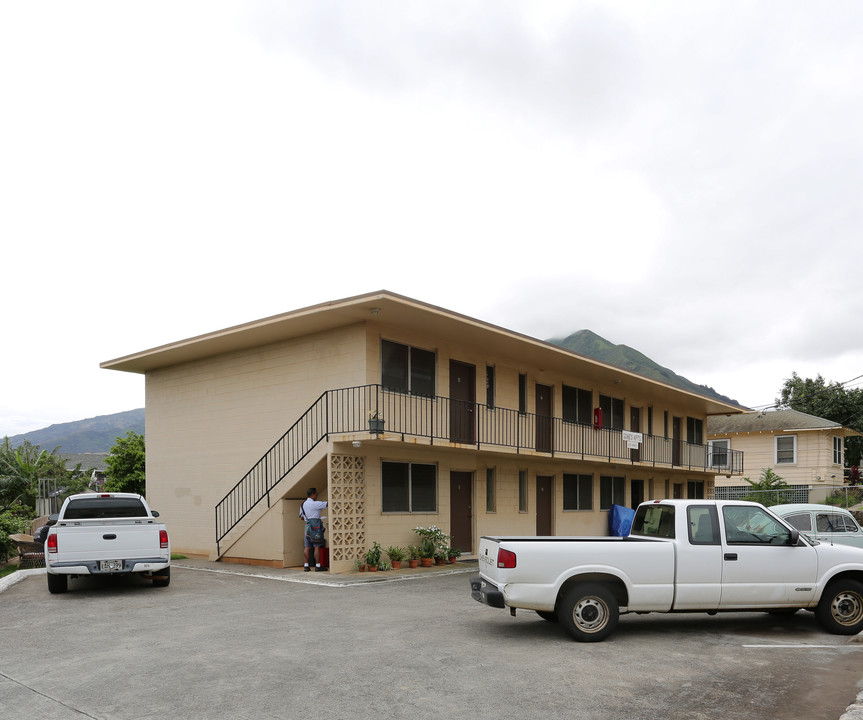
pixel 100 507
pixel 654 521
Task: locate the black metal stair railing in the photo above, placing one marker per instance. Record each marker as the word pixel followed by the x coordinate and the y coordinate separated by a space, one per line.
pixel 436 418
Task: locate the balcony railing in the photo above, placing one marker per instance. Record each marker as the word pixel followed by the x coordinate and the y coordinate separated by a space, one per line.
pixel 349 411
pixel 467 423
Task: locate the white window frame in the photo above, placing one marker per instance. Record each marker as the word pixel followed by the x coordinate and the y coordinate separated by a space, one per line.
pixel 838 450
pixel 776 459
pixel 720 451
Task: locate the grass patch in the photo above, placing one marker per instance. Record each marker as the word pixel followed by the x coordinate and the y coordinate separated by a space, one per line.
pixel 177 556
pixel 8 569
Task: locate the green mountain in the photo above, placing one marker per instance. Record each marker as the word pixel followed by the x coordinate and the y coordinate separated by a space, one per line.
pixel 589 344
pixel 94 435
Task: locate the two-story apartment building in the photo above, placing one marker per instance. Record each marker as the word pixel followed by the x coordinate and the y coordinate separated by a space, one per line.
pixel 402 414
pixel 806 451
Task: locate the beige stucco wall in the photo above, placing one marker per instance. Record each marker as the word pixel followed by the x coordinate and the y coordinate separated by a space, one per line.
pixel 208 422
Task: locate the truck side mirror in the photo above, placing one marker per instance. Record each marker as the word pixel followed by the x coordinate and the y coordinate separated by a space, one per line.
pixel 154 513
pixel 795 536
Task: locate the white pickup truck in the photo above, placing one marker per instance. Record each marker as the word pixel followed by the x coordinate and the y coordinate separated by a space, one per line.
pixel 681 556
pixel 106 533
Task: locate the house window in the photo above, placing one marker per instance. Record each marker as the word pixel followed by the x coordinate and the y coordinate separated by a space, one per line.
pixel 612 412
pixel 695 430
pixel 489 387
pixel 577 405
pixel 612 491
pixel 837 450
pixel 718 453
pixel 407 369
pixel 786 449
pixel 695 490
pixel 408 487
pixel 522 491
pixel 577 492
pixel 522 393
pixel 490 491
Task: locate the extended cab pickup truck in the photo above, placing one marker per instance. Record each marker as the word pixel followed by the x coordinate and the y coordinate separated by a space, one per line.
pixel 681 556
pixel 106 533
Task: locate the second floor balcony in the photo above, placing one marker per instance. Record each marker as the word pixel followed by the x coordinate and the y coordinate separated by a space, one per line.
pixel 401 416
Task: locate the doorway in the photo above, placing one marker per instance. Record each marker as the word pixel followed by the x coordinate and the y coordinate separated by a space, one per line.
pixel 636 494
pixel 635 426
pixel 675 440
pixel 544 441
pixel 461 510
pixel 462 394
pixel 544 484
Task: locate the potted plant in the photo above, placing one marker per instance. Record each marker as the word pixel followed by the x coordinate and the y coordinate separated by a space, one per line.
pixel 413 556
pixel 376 423
pixel 453 554
pixel 440 556
pixel 359 565
pixel 396 555
pixel 427 551
pixel 373 556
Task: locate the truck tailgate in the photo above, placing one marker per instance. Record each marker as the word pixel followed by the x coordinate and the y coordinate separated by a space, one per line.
pixel 108 541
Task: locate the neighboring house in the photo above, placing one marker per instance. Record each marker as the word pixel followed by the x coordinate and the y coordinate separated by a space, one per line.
pixel 484 431
pixel 807 452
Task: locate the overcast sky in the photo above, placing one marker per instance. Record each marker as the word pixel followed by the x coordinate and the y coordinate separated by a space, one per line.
pixel 681 177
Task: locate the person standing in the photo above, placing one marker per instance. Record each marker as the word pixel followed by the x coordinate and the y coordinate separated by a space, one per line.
pixel 314 535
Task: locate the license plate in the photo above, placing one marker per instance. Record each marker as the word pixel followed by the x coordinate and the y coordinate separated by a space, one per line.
pixel 111 565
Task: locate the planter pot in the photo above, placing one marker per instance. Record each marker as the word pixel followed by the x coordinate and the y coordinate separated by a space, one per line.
pixel 426 562
pixel 439 561
pixel 373 568
pixel 453 560
pixel 413 563
pixel 397 564
pixel 376 426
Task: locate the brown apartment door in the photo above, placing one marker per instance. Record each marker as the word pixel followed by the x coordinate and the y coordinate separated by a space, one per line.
pixel 543 419
pixel 460 510
pixel 675 440
pixel 635 426
pixel 543 504
pixel 462 394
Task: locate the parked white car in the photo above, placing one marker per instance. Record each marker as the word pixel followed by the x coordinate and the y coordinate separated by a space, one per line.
pixel 824 523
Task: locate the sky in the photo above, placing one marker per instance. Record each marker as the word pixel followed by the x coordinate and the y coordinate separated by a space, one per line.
pixel 683 178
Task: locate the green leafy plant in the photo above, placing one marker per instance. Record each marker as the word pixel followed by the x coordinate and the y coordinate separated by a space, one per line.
pixel 453 552
pixel 427 548
pixel 395 553
pixel 413 552
pixel 767 490
pixel 373 556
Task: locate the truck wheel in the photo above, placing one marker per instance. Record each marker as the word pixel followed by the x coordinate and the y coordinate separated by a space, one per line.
pixel 163 579
pixel 840 610
pixel 57 583
pixel 546 615
pixel 589 612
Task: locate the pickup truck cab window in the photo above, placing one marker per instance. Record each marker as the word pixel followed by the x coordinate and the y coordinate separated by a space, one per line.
pixel 104 507
pixel 703 525
pixel 654 521
pixel 749 525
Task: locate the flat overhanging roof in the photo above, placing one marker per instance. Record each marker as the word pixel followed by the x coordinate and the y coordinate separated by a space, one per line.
pixel 389 309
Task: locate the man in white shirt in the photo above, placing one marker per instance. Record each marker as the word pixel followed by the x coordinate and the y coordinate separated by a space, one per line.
pixel 311 513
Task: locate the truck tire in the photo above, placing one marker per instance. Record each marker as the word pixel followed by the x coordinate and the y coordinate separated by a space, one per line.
pixel 588 612
pixel 840 610
pixel 57 583
pixel 163 579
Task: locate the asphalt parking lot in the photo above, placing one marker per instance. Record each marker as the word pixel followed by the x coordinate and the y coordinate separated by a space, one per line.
pixel 229 642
